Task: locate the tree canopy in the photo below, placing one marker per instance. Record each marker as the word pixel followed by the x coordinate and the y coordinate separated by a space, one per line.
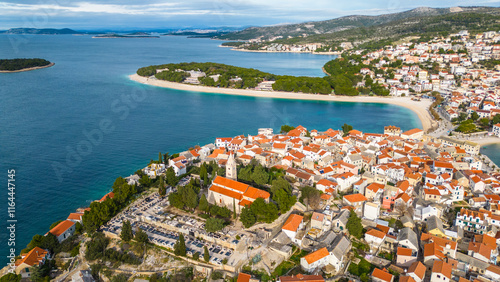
pixel 354 225
pixel 19 64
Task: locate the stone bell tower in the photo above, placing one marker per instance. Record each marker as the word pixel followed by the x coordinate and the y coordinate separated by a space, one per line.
pixel 231 171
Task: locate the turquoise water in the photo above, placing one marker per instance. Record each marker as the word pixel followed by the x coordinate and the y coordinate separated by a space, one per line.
pixel 492 151
pixel 47 116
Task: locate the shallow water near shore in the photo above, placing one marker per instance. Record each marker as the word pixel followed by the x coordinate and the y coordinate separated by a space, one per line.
pixel 70 130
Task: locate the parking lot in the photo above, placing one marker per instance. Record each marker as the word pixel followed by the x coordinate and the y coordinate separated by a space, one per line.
pixel 167 239
pixel 147 213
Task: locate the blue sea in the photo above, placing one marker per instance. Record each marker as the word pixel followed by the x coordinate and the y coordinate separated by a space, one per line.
pixel 70 130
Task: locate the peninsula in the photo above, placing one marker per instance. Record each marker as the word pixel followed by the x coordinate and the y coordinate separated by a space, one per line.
pixel 19 65
pixel 419 107
pixel 450 82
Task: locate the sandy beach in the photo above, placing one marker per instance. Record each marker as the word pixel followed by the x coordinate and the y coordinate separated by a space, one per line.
pixel 486 140
pixel 419 107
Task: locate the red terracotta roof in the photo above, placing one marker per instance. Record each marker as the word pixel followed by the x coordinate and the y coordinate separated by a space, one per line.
pixel 302 278
pixel 353 198
pixel 442 267
pixel 61 227
pixel 375 233
pixel 226 192
pixel 418 268
pixel 404 252
pixel 293 222
pixel 243 277
pixel 255 193
pixel 382 275
pixel 33 257
pixel 317 255
pixel 228 183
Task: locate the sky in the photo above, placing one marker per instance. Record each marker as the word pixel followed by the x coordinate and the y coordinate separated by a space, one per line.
pixel 158 14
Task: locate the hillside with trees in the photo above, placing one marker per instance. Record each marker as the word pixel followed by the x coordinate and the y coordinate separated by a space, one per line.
pixel 329 26
pixel 373 34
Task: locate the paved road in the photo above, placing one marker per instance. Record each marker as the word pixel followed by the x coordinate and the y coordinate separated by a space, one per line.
pixel 444 126
pixel 79 260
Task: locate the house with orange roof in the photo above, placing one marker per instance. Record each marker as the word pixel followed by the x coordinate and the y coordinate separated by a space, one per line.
pixel 360 185
pixel 441 271
pixel 228 193
pixel 36 257
pixel 223 142
pixel 315 260
pixel 301 278
pixel 375 239
pixel 301 175
pixel 487 240
pixel 417 271
pixel 439 167
pixel 109 195
pixel 403 199
pixel 405 278
pixel 356 201
pixel 318 221
pixel 478 202
pixel 243 277
pixel 476 184
pixel 433 252
pixel 405 257
pixel 432 195
pixel 493 272
pixel 280 148
pixel 415 133
pixel 75 217
pixel 473 221
pixel 374 191
pixel 379 275
pixel 482 252
pixel 392 130
pixel 287 161
pixel 63 230
pixel 292 225
pixel 326 186
pixel 179 168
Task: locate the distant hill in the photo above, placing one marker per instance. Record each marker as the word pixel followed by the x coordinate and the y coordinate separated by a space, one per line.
pixel 40 31
pixel 322 31
pixel 195 34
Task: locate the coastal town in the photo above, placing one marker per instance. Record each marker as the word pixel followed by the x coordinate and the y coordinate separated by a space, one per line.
pixel 302 205
pixel 305 204
pixel 177 160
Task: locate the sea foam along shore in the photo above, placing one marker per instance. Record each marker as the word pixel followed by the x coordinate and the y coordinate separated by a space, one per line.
pixel 419 107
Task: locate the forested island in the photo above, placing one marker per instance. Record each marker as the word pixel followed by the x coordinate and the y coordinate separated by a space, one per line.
pixel 341 78
pixel 131 35
pixel 17 65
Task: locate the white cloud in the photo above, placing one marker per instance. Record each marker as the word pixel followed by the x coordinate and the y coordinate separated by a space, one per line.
pixel 220 12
